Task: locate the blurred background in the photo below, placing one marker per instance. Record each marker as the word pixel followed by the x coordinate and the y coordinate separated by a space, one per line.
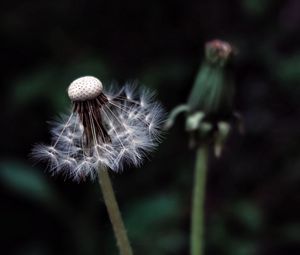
pixel 253 191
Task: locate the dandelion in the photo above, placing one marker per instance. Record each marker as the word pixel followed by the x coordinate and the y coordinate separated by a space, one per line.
pixel 105 129
pixel 209 116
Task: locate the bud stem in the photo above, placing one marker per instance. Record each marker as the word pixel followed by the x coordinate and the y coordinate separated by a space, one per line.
pixel 197 220
pixel 114 213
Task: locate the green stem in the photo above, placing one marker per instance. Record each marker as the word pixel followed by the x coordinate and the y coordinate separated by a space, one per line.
pixel 197 221
pixel 114 213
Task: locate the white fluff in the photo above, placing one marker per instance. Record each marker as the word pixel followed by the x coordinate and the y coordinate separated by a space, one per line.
pixel 131 118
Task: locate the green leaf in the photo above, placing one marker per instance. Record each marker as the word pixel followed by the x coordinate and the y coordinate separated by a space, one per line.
pixel 256 7
pixel 153 215
pixel 288 70
pixel 249 215
pixel 26 182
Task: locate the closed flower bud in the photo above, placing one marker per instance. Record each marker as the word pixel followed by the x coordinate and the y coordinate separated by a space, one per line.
pixel 213 88
pixel 209 109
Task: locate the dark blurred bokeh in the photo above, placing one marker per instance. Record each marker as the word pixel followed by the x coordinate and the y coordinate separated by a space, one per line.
pixel 252 204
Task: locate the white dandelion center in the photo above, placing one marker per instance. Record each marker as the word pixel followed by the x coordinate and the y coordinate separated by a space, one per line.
pixel 111 130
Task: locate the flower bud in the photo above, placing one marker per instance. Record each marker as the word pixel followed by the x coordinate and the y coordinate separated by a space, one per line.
pixel 218 52
pixel 213 90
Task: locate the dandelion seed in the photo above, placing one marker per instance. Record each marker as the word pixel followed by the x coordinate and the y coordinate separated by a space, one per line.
pixel 105 128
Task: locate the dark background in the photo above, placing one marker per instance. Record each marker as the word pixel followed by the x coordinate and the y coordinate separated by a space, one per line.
pixel 252 203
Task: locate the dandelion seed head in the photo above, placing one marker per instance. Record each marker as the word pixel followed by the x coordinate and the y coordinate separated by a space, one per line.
pixel 85 88
pixel 111 128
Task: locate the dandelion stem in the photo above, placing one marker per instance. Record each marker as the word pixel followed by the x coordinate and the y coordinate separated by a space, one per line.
pixel 114 213
pixel 197 220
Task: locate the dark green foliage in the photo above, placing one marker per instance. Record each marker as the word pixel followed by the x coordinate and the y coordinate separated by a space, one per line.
pixel 252 190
